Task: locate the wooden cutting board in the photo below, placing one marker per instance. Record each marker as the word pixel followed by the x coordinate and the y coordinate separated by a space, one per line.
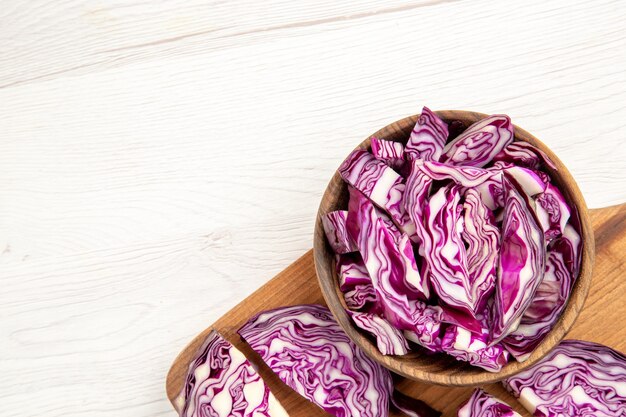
pixel 600 321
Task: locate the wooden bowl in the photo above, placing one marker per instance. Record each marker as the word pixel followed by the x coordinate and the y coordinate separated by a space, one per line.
pixel 441 368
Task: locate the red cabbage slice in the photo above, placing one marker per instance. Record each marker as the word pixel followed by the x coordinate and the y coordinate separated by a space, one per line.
pixel 427 332
pixel 569 244
pixel 463 319
pixel 388 265
pixel 544 310
pixel 524 154
pixel 389 340
pixel 474 349
pixel 428 137
pixel 355 283
pixel 308 350
pixel 491 192
pixel 335 228
pixel 418 186
pixel 480 142
pixel 415 198
pixel 444 251
pixel 576 378
pixel 352 272
pixel 483 404
pixel 373 178
pixel 490 188
pixel 379 183
pixel 361 297
pixel 412 407
pixel 483 239
pixel 522 260
pixel 222 383
pixel 544 177
pixel 530 182
pixel 412 274
pixel 553 211
pixel 466 176
pixel 388 151
pixel 501 165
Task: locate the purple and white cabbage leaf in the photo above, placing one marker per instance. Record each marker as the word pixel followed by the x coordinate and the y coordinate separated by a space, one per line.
pixel 577 378
pixel 361 297
pixel 415 198
pixel 480 142
pixel 521 264
pixel 491 192
pixel 474 349
pixel 531 183
pixel 524 154
pixel 335 228
pixel 388 151
pixel 308 350
pixel 352 272
pixel 553 211
pixel 389 340
pixel 377 181
pixel 428 137
pixel 427 329
pixel 543 312
pixel 355 282
pixel 466 176
pixel 387 265
pixel 483 239
pixel 221 382
pixel 444 251
pixel 569 244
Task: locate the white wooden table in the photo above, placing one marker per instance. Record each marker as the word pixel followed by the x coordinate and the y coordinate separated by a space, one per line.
pixel 161 160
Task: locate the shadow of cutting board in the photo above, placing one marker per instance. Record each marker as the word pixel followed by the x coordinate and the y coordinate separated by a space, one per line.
pixel 600 321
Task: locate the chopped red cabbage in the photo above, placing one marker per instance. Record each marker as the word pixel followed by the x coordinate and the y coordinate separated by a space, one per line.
pixel 387 265
pixel 388 151
pixel 308 350
pixel 522 260
pixel 524 154
pixel 553 211
pixel 544 310
pixel 335 228
pixel 454 238
pixel 474 348
pixel 428 137
pixel 222 383
pixel 480 142
pixel 352 272
pixel 482 239
pixel 427 331
pixel 466 176
pixel 389 340
pixel 444 251
pixel 576 378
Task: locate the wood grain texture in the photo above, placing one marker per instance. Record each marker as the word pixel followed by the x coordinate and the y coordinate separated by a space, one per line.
pixel 297 284
pixel 441 368
pixel 160 161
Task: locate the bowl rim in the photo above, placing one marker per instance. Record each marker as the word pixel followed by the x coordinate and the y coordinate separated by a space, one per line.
pixel 462 374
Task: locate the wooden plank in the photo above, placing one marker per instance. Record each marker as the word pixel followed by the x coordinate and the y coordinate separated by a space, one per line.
pixel 298 285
